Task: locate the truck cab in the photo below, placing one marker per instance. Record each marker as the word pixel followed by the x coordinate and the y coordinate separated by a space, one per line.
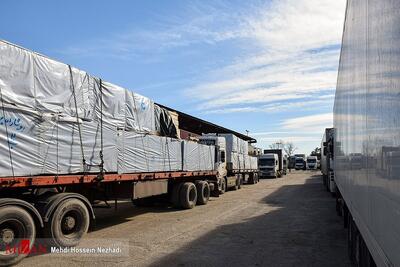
pixel 299 163
pixel 312 163
pixel 268 165
pixel 220 152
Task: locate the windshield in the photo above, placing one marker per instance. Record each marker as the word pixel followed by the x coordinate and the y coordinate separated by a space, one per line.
pixel 299 160
pixel 266 162
pixel 311 160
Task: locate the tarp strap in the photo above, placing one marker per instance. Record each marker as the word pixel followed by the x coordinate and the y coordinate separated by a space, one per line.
pixel 5 124
pixel 169 156
pixel 77 117
pixel 141 135
pixel 101 132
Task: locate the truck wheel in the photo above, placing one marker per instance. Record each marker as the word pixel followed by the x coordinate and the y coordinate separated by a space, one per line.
pixel 223 187
pixel 175 195
pixel 68 223
pixel 16 224
pixel 236 186
pixel 188 195
pixel 203 192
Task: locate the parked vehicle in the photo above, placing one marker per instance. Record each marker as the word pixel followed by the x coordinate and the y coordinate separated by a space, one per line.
pixel 268 165
pixel 285 165
pixel 312 163
pixel 299 163
pixel 367 132
pixel 299 166
pixel 235 166
pixel 327 160
pixel 280 154
pixel 292 162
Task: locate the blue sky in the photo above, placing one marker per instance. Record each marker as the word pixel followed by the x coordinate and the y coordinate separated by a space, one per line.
pixel 269 67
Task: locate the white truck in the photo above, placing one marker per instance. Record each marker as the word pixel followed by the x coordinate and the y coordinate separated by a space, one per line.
pixel 299 163
pixel 367 132
pixel 268 165
pixel 312 162
pixel 233 163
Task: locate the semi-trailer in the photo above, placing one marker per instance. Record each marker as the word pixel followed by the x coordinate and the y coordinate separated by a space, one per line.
pixel 70 140
pixel 367 132
pixel 237 166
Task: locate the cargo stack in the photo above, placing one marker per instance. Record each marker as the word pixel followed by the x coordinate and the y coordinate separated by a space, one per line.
pixel 56 119
pixel 237 153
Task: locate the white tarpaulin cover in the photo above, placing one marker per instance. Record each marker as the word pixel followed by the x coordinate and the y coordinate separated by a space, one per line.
pixel 198 156
pixel 148 153
pixel 235 144
pixel 56 119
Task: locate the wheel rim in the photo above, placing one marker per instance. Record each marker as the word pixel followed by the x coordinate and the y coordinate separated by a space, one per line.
pixel 11 232
pixel 71 223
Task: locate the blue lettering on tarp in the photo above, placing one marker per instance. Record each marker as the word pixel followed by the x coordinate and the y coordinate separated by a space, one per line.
pixel 143 105
pixel 13 124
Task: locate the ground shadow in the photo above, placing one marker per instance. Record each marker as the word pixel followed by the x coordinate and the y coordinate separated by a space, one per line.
pixel 301 230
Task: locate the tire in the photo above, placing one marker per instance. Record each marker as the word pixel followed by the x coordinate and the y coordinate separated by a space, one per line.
pixel 203 192
pixel 223 187
pixel 17 224
pixel 175 195
pixel 188 195
pixel 236 186
pixel 68 223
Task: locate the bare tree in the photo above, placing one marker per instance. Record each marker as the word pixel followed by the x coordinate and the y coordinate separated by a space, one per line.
pixel 289 148
pixel 280 144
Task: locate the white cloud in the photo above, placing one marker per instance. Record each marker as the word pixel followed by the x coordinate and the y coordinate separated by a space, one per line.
pixel 297 53
pixel 309 123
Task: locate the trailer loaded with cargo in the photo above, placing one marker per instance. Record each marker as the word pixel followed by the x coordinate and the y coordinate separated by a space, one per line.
pixel 236 166
pixel 69 139
pixel 367 132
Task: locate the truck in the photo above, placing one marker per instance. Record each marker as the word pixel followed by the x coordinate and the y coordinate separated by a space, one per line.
pixel 285 165
pixel 236 166
pixel 367 132
pixel 327 160
pixel 292 162
pixel 269 165
pixel 300 162
pixel 71 142
pixel 279 165
pixel 312 163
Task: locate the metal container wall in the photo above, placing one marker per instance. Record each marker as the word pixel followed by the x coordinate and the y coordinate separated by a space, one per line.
pixel 367 120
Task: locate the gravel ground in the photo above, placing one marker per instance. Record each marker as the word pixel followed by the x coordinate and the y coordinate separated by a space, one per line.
pixel 289 221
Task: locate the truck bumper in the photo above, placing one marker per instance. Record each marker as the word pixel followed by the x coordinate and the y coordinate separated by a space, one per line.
pixel 267 174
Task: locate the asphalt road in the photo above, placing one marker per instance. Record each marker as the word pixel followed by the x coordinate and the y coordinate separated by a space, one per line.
pixel 289 221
